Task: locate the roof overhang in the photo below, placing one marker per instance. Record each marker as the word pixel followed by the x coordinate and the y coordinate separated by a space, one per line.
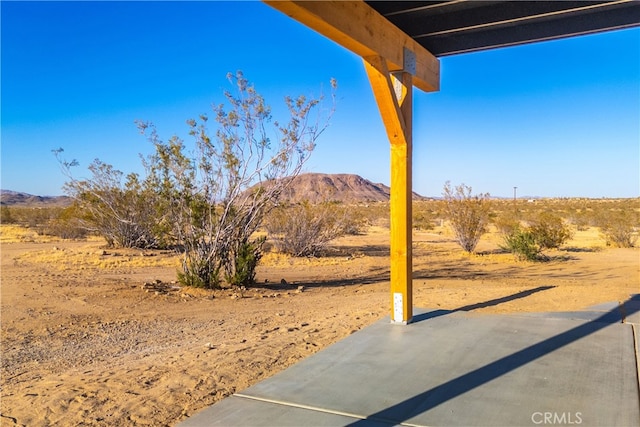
pixel 359 28
pixel 459 26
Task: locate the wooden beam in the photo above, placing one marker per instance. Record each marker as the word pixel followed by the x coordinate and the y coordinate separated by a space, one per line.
pixel 359 28
pixel 395 104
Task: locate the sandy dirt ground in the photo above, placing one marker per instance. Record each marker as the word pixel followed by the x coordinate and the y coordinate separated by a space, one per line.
pixel 84 344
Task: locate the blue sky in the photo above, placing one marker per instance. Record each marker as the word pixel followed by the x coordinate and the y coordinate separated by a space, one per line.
pixel 555 119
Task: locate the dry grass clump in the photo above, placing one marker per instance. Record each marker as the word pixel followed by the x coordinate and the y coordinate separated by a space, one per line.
pixel 10 233
pixel 278 259
pixel 90 257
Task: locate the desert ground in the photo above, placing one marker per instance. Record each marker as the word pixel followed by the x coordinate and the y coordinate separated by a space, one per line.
pixel 86 342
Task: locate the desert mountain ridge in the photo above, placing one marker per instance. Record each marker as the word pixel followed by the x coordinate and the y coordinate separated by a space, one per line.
pixel 17 198
pixel 312 187
pixel 346 188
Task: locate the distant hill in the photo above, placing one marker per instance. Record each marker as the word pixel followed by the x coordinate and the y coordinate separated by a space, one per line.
pixel 346 188
pixel 314 187
pixel 15 198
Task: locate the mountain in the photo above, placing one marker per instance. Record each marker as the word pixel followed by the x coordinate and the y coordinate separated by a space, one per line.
pixel 15 198
pixel 314 187
pixel 346 188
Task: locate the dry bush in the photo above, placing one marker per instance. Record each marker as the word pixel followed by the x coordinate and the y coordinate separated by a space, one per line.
pixel 620 228
pixel 372 214
pixel 56 221
pixel 423 216
pixel 549 231
pixel 468 215
pixel 305 229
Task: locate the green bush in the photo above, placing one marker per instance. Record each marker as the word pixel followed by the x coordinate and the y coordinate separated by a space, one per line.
pixel 246 260
pixel 522 243
pixel 549 231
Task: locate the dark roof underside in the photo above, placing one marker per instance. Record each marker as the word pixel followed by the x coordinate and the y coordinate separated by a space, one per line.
pixel 460 26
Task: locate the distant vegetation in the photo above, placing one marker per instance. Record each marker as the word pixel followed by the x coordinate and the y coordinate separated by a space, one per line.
pixel 554 220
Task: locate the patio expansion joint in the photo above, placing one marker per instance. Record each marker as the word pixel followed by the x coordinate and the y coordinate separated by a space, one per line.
pixel 324 410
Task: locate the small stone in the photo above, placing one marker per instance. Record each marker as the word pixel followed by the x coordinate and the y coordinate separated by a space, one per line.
pixel 283 282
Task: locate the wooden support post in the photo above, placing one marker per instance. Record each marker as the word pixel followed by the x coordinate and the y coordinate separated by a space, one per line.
pixel 395 63
pixel 393 93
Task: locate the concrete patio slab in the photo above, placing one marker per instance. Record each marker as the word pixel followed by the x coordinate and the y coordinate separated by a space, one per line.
pixel 454 368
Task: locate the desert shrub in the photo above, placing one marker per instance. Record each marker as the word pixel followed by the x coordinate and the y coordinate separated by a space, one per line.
pixel 422 216
pixel 122 210
pixel 247 259
pixel 620 228
pixel 549 231
pixel 5 215
pixel 580 219
pixel 305 229
pixel 468 215
pixel 522 243
pixel 67 224
pixel 506 223
pixel 373 213
pixel 217 192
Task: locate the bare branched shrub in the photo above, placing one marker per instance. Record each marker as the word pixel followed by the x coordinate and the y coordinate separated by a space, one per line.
pixel 215 197
pixel 620 227
pixel 123 211
pixel 468 214
pixel 305 229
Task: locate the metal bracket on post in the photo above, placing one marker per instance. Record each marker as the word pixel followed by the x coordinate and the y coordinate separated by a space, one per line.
pixel 408 66
pixel 409 62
